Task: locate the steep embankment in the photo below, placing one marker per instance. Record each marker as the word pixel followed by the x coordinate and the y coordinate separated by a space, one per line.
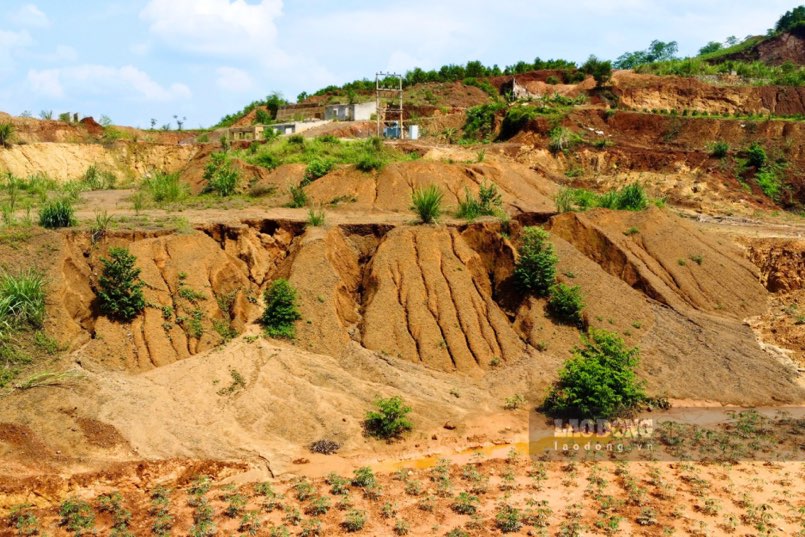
pixel 66 161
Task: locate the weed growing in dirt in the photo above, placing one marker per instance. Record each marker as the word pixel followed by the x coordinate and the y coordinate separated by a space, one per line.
pixel 629 198
pixel 317 168
pixel 508 519
pixel 315 217
pixel 96 179
pixel 514 402
pixel 599 381
pixel 298 196
pixel 77 516
pixel 121 517
pixel 488 203
pixel 57 213
pixel 562 140
pixel 7 131
pixel 427 203
pixel 719 149
pixel 22 298
pixel 160 505
pixel 23 520
pixel 281 310
pixel 566 303
pixel 354 521
pixel 535 270
pixel 120 289
pixel 389 419
pixel 165 188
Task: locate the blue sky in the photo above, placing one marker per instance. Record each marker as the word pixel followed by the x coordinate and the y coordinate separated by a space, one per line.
pixel 201 59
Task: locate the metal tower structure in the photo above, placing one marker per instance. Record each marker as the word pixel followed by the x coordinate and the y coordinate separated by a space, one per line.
pixel 389 102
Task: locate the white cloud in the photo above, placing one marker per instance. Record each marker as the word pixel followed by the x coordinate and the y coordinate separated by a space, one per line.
pixel 234 80
pixel 217 27
pixel 126 81
pixel 31 16
pixel 10 44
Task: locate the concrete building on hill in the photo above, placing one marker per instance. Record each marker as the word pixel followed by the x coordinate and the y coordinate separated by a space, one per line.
pixel 350 112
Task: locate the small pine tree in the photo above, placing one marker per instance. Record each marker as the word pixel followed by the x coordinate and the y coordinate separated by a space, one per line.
pixel 281 310
pixel 535 271
pixel 120 292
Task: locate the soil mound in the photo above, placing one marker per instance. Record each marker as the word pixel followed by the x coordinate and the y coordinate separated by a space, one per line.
pixel 667 259
pixel 390 189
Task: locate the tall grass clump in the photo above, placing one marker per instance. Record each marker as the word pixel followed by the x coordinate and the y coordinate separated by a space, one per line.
pixel 632 197
pixel 7 131
pixel 165 187
pixel 487 203
pixel 427 203
pixel 57 213
pixel 22 298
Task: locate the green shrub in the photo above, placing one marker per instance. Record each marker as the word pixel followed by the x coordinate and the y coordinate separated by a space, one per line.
pixel 565 303
pixel 370 162
pixel 298 196
pixel 165 187
pixel 600 70
pixel 535 270
pixel 427 202
pixel 317 168
pixel 296 139
pixel 281 310
pixel 632 198
pixel 389 419
pixel 224 180
pixel 561 139
pixel 756 155
pixel 120 287
pixel 57 213
pixel 22 298
pixel 6 134
pixel 95 179
pixel 480 121
pixel 599 381
pixel 719 149
pixel 768 179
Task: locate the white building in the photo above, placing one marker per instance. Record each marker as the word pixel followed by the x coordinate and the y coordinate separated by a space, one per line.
pixel 350 112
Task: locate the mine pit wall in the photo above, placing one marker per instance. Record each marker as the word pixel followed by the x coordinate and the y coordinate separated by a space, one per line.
pixel 675 93
pixel 66 161
pixel 781 263
pixel 441 297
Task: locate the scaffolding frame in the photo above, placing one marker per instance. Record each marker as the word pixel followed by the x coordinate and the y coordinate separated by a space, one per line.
pixel 386 114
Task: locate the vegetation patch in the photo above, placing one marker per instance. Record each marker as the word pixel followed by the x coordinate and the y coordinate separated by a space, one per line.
pixel 281 311
pixel 599 381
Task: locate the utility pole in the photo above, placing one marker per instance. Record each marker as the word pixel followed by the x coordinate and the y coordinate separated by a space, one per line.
pixel 395 95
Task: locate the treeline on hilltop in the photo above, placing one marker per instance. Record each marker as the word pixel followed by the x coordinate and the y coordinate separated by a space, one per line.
pixel 659 58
